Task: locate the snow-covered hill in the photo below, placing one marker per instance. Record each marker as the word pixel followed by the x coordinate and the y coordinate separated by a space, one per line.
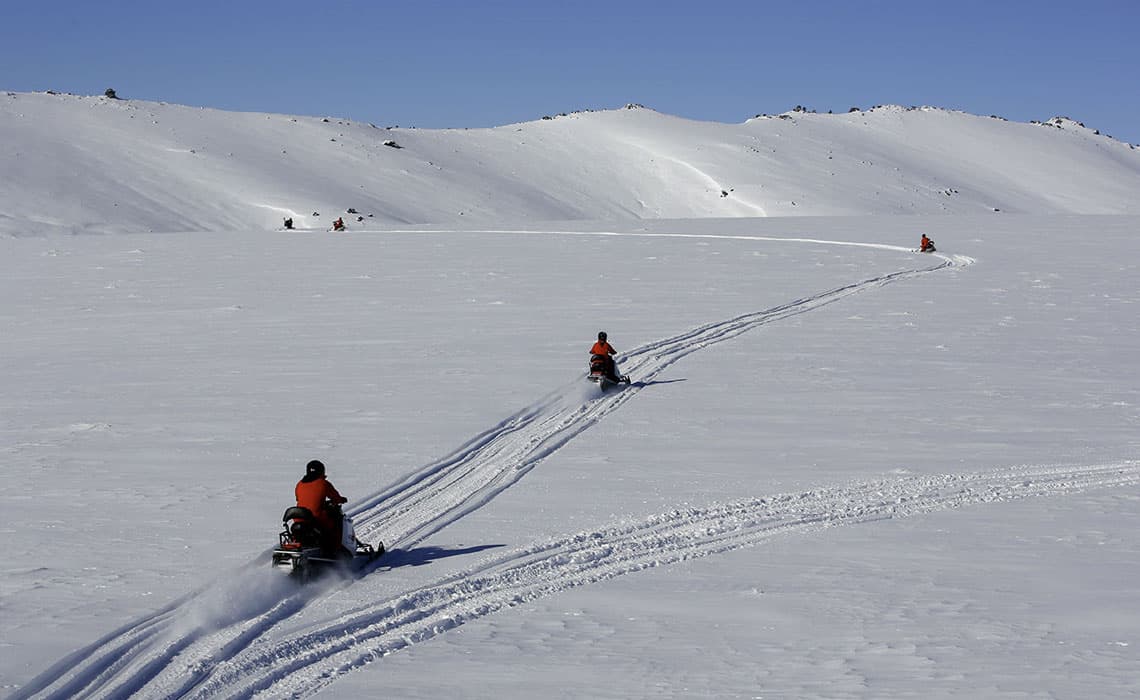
pixel 92 164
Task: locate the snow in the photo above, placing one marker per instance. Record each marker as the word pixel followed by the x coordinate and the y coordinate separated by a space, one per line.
pixel 92 164
pixel 843 469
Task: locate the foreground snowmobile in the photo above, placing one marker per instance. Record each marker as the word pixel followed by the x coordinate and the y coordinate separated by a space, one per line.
pixel 300 551
pixel 602 374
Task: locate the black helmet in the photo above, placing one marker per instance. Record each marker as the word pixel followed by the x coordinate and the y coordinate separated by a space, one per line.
pixel 601 335
pixel 315 468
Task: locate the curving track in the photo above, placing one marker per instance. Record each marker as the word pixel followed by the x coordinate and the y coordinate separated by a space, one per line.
pixel 234 639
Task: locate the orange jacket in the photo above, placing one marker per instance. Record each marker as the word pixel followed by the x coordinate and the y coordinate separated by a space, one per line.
pixel 926 243
pixel 602 348
pixel 312 495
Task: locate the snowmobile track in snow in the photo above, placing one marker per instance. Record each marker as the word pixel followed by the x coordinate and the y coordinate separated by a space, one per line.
pixel 302 664
pixel 440 493
pixel 189 649
pixel 147 661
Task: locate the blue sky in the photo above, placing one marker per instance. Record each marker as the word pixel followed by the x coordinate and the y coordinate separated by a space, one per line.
pixel 436 63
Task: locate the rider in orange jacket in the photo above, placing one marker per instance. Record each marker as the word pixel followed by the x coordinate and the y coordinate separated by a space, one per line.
pixel 317 494
pixel 603 349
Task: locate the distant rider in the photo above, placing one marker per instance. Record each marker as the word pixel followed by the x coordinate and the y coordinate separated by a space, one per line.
pixel 318 495
pixel 926 245
pixel 603 349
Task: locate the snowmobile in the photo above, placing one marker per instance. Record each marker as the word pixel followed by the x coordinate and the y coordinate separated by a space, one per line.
pixel 602 372
pixel 301 554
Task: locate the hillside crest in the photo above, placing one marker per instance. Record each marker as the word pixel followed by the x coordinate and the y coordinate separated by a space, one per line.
pixel 105 165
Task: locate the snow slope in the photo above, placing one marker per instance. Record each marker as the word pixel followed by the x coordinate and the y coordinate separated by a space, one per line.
pixel 92 164
pixel 843 469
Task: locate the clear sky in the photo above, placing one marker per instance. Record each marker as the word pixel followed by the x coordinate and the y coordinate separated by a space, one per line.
pixel 466 63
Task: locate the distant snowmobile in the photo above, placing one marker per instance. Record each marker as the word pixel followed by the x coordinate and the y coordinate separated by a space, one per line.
pixel 300 552
pixel 602 372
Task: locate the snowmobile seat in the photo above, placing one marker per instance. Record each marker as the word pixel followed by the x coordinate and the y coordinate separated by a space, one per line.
pixel 301 528
pixel 598 364
pixel 297 513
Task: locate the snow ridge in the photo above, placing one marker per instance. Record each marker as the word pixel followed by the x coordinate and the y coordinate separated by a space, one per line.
pixel 133 166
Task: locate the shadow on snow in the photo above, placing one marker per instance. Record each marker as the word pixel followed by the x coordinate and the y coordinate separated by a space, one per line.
pixel 420 556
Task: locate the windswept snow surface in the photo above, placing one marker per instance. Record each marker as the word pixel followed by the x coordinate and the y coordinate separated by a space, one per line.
pixel 843 469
